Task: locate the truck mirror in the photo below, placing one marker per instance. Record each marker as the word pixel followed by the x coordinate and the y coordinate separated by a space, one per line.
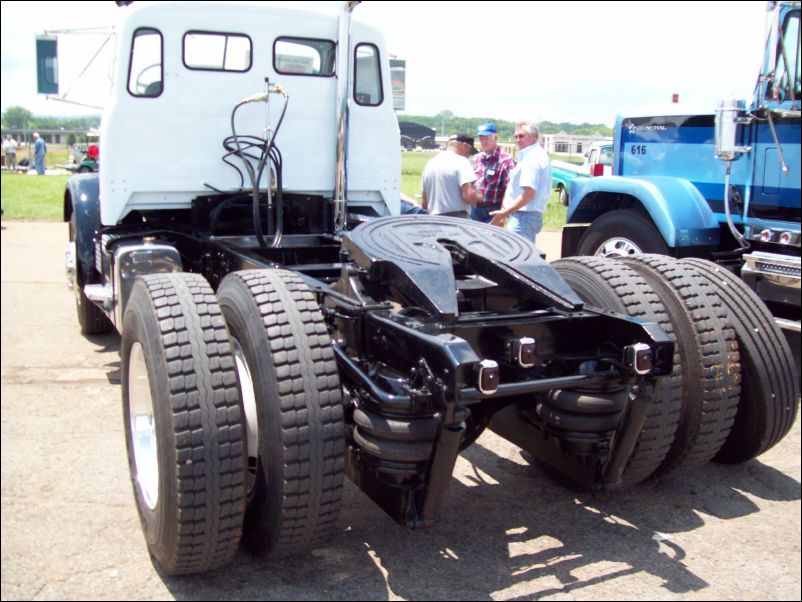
pixel 47 65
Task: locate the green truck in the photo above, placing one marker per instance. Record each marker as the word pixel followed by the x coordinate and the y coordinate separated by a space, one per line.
pixel 598 162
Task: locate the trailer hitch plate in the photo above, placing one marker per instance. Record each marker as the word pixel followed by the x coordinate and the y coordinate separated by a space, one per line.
pixel 416 255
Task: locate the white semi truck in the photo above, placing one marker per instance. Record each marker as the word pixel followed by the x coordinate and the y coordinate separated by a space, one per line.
pixel 283 327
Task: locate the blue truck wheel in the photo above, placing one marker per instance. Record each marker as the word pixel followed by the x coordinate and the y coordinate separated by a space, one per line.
pixel 621 233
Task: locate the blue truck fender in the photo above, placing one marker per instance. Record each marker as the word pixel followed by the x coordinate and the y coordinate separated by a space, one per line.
pixel 676 207
pixel 82 200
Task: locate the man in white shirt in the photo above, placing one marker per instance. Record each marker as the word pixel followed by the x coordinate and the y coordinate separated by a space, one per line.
pixel 10 149
pixel 448 179
pixel 529 188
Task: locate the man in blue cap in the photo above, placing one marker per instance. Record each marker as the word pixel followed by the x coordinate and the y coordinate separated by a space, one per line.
pixel 492 167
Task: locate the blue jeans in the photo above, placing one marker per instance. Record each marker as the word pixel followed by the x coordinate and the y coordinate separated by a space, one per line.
pixel 525 223
pixel 408 208
pixel 482 214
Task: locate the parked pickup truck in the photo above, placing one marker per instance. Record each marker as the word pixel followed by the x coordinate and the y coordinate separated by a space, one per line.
pixel 563 173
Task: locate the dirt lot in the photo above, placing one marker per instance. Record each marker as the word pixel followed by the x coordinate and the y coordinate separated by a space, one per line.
pixel 70 530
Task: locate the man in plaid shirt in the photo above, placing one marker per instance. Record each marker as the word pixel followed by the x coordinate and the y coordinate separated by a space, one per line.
pixel 492 167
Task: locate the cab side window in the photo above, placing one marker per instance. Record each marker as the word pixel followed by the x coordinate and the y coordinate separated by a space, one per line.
pixel 785 81
pixel 367 76
pixel 145 66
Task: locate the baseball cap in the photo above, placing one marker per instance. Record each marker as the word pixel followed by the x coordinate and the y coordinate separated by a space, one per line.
pixel 461 137
pixel 486 129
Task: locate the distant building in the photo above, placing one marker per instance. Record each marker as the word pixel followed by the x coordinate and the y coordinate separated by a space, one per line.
pixel 50 136
pixel 568 144
pixel 415 134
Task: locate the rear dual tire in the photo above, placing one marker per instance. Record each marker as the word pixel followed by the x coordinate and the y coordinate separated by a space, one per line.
pixel 297 454
pixel 769 399
pixel 183 423
pixel 611 285
pixel 692 414
pixel 708 352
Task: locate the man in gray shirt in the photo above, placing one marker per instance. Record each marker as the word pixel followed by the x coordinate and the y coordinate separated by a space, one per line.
pixel 448 179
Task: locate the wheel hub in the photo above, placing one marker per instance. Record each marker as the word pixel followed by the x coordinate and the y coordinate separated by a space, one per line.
pixel 251 417
pixel 618 247
pixel 143 427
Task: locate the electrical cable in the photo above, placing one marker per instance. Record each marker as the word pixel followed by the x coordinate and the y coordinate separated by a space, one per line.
pixel 243 147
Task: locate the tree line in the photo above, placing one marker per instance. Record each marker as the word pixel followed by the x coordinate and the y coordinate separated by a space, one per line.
pixel 446 120
pixel 21 118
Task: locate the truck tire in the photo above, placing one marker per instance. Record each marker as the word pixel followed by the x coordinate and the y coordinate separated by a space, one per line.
pixel 611 285
pixel 183 423
pixel 769 388
pixel 709 355
pixel 276 324
pixel 563 195
pixel 621 233
pixel 90 316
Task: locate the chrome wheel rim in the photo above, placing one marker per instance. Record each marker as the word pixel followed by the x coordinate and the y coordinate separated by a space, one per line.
pixel 251 417
pixel 143 427
pixel 618 247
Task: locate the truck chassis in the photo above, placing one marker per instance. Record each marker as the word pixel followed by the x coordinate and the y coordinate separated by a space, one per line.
pixel 379 354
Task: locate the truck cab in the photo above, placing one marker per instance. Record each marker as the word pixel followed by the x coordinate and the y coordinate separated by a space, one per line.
pixel 212 57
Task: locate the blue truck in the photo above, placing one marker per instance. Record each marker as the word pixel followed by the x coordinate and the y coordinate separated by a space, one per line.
pixel 722 185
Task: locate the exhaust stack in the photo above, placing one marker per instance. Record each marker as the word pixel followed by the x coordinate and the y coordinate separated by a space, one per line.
pixel 344 78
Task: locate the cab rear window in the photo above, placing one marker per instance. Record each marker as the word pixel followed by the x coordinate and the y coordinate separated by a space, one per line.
pixel 304 56
pixel 217 51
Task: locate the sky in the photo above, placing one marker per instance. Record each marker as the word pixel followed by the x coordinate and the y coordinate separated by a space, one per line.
pixel 555 61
